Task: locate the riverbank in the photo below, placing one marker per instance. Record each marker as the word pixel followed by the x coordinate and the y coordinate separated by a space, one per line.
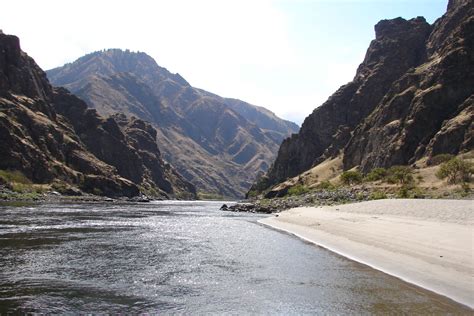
pixel 425 242
pixel 8 196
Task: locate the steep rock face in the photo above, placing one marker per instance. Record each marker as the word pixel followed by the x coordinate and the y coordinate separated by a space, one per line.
pixel 50 135
pixel 218 144
pixel 456 134
pixel 398 46
pixel 19 74
pixel 412 97
pixel 429 110
pixel 142 137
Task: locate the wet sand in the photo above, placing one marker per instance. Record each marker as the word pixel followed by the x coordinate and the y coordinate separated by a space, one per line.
pixel 429 243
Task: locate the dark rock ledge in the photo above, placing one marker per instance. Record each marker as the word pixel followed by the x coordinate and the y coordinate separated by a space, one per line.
pixel 249 208
pixel 315 198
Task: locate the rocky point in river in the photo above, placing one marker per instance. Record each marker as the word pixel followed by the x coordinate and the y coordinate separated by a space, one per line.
pixel 218 144
pixel 51 136
pixel 411 97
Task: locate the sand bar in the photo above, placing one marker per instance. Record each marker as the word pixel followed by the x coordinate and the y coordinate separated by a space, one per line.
pixel 429 243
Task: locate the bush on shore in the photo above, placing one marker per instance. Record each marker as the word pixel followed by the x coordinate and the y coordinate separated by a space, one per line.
pixel 400 174
pixel 351 177
pixel 439 159
pixel 376 174
pixel 455 171
pixel 298 189
pixel 325 185
pixel 377 195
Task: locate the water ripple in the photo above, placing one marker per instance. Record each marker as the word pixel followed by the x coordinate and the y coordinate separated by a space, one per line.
pixel 181 257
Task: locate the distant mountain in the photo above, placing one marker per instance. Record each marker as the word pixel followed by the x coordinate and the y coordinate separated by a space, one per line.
pixel 51 136
pixel 412 97
pixel 218 144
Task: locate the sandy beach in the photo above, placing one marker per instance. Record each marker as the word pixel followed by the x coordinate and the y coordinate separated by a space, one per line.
pixel 429 243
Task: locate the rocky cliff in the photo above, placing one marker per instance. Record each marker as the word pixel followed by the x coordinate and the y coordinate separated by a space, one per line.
pixel 218 144
pixel 51 136
pixel 411 97
pixel 429 110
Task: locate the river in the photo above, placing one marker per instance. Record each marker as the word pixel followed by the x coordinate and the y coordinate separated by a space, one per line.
pixel 182 257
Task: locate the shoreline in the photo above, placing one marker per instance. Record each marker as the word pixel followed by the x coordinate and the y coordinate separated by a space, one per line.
pixel 428 243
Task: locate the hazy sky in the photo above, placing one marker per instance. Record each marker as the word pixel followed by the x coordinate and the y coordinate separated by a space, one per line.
pixel 286 55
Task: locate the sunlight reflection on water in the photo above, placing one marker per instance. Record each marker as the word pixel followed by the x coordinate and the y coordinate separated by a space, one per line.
pixel 185 257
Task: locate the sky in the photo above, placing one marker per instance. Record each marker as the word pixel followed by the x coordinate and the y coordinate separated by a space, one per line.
pixel 286 55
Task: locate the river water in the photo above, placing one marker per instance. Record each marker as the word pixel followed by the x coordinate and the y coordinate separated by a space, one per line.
pixel 182 257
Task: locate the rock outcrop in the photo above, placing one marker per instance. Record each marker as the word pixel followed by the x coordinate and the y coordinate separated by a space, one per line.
pixel 155 172
pixel 218 144
pixel 428 110
pixel 411 97
pixel 51 136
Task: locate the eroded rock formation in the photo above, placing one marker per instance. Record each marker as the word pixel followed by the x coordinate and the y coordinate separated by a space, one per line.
pixel 51 136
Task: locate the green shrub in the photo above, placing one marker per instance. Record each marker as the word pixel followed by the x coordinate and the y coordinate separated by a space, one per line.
pixel 209 196
pixel 410 191
pixel 183 195
pixel 262 183
pixel 464 190
pixel 298 189
pixel 325 185
pixel 390 179
pixel 20 187
pixel 351 177
pixel 403 193
pixel 439 159
pixel 377 195
pixel 465 187
pixel 400 174
pixel 60 187
pixel 252 194
pixel 14 176
pixel 360 197
pixel 455 171
pixel 376 174
pixel 29 188
pixel 417 193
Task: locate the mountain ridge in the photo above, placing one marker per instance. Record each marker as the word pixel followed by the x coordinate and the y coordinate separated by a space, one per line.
pixel 52 137
pixel 219 144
